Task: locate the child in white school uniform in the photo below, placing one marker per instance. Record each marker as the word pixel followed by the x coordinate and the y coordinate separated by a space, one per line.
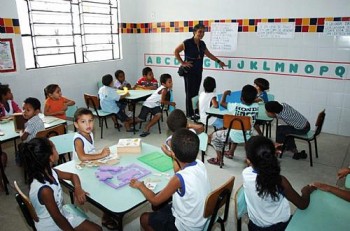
pixel 206 100
pixel 45 193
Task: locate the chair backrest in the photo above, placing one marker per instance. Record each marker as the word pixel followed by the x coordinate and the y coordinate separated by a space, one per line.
pixel 195 102
pixel 237 122
pixel 99 84
pixel 270 97
pixel 240 206
pixel 92 101
pixel 319 122
pixel 203 141
pixel 70 112
pixel 26 207
pixel 216 199
pixel 52 131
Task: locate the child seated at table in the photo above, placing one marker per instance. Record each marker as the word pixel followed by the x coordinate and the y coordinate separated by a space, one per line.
pixel 147 81
pixel 247 107
pixel 206 100
pixel 342 193
pixel 189 188
pixel 7 105
pixel 261 85
pixel 108 101
pixel 45 193
pixel 31 110
pixel 267 192
pixel 56 104
pixel 175 121
pixel 84 148
pixel 153 104
pixel 120 82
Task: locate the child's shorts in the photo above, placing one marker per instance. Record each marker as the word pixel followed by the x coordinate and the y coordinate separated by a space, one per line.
pixel 145 110
pixel 162 219
pixel 121 116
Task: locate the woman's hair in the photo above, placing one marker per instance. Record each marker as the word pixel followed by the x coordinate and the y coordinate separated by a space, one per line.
pixel 261 154
pixel 198 27
pixel 209 84
pixel 50 89
pixel 35 156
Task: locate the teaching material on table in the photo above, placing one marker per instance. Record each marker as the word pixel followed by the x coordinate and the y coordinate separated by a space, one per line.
pixel 109 160
pixel 129 145
pixel 118 176
pixel 158 161
pixel 234 97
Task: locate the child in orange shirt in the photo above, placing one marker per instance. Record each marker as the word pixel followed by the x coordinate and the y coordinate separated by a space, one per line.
pixel 55 104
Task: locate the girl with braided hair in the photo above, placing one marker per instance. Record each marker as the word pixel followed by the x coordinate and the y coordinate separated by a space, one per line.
pixel 38 156
pixel 267 192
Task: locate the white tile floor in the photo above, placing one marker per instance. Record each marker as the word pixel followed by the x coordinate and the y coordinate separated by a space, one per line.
pixel 333 154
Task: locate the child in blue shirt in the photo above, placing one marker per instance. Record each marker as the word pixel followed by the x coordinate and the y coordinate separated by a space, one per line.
pixel 261 85
pixel 108 100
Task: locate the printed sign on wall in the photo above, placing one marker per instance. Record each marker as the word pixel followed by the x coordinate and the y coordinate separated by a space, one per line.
pixel 223 37
pixel 336 28
pixel 276 30
pixel 7 56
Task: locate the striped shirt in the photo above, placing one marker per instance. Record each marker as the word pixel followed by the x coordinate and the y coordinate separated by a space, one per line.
pixel 292 117
pixel 33 126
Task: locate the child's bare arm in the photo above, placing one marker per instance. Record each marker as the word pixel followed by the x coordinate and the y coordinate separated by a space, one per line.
pixel 344 194
pixel 23 135
pixel 223 102
pixel 214 102
pixel 47 198
pixel 163 98
pixel 199 128
pixel 79 148
pixel 79 193
pixel 69 102
pixel 164 195
pixel 302 202
pixel 343 172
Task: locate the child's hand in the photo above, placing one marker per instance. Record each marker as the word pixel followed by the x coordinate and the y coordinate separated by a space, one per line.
pixel 228 92
pixel 321 186
pixel 135 183
pixel 343 172
pixel 80 195
pixel 65 107
pixel 172 104
pixel 105 152
pixel 166 150
pixel 308 189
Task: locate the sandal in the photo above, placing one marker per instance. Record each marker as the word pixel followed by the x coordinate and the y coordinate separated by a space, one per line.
pixel 110 224
pixel 214 161
pixel 144 134
pixel 131 130
pixel 228 155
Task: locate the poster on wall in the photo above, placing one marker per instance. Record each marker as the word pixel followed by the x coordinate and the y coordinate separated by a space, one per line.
pixel 337 28
pixel 284 30
pixel 223 37
pixel 7 56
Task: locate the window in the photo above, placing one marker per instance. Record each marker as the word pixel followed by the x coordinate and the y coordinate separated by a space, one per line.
pixel 61 32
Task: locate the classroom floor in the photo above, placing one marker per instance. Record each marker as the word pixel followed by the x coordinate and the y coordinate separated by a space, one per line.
pixel 334 153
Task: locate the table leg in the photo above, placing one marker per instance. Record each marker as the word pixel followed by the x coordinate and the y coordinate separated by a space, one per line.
pixel 133 116
pixel 206 123
pixel 3 175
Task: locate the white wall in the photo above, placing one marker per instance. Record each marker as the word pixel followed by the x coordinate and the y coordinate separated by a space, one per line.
pixel 308 95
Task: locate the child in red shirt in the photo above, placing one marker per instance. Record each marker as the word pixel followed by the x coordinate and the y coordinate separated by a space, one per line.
pixel 147 81
pixel 55 104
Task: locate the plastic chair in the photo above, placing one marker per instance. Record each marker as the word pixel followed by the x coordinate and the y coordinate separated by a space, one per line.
pixel 26 207
pixel 195 107
pixel 311 135
pixel 238 123
pixel 240 207
pixel 92 101
pixel 64 145
pixel 203 143
pixel 70 114
pixel 215 200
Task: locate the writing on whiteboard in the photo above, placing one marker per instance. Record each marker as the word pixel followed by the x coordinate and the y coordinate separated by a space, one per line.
pixel 336 28
pixel 276 30
pixel 223 37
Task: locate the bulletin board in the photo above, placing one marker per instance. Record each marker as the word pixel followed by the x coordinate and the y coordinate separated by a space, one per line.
pixel 7 56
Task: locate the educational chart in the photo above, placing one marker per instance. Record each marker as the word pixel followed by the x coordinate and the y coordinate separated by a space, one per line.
pixel 336 28
pixel 276 30
pixel 223 37
pixel 7 57
pixel 118 176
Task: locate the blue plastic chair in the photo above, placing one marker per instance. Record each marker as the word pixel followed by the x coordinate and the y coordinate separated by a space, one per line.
pixel 240 207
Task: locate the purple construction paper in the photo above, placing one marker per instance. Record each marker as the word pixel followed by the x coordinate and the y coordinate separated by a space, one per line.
pixel 102 176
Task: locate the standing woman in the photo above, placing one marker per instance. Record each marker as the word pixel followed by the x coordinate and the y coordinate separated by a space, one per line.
pixel 195 49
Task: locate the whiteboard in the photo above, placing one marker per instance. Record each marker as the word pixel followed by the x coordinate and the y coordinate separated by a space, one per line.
pixel 276 30
pixel 223 37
